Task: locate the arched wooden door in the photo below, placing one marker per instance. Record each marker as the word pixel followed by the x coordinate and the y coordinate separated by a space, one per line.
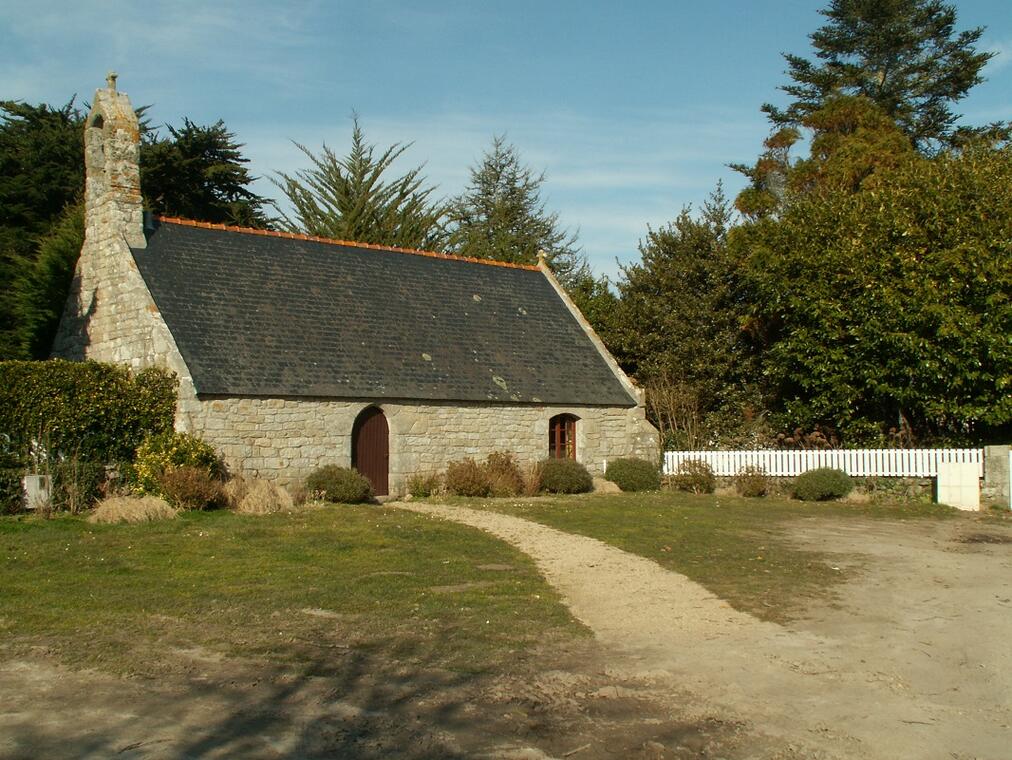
pixel 370 448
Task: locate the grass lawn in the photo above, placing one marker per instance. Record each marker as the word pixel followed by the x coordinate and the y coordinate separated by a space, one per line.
pixel 735 547
pixel 286 587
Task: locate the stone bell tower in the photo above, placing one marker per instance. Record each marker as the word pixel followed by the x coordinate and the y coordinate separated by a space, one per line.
pixel 109 314
pixel 112 194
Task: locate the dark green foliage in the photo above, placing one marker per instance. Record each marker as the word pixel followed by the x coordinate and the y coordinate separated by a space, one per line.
pixel 822 484
pixel 678 330
pixel 500 215
pixel 904 55
pixel 634 474
pixel 96 412
pixel 694 476
pixel 351 198
pixel 41 169
pixel 596 301
pixel 43 286
pixel 752 482
pixel 339 484
pixel 883 310
pixel 565 476
pixel 467 477
pixel 199 172
pixel 11 469
pixel 41 173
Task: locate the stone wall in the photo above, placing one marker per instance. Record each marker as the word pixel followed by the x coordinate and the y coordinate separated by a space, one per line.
pixel 111 316
pixel 285 439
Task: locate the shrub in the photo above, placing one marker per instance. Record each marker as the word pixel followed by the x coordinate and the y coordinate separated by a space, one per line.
pixel 822 484
pixel 504 476
pixel 467 478
pixel 12 497
pixel 423 485
pixel 131 509
pixel 694 476
pixel 190 488
pixel 257 497
pixel 634 474
pixel 165 451
pixel 96 412
pixel 339 484
pixel 532 479
pixel 565 476
pixel 752 481
pixel 77 485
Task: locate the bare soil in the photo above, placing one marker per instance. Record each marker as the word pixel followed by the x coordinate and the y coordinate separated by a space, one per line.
pixel 910 660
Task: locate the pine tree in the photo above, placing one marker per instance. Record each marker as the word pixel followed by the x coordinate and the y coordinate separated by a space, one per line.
pixel 198 172
pixel 351 198
pixel 500 215
pixel 903 55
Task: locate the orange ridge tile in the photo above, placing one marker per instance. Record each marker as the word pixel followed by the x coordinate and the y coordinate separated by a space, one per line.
pixel 333 241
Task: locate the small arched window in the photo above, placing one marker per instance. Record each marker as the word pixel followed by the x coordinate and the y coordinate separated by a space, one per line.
pixel 562 436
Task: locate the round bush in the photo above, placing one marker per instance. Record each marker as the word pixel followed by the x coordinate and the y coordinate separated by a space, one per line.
pixel 166 451
pixel 339 484
pixel 752 481
pixel 694 476
pixel 467 478
pixel 634 474
pixel 822 484
pixel 565 476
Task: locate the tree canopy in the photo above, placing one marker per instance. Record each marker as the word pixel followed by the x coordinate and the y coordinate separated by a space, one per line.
pixel 194 171
pixel 198 172
pixel 677 328
pixel 882 307
pixel 353 198
pixel 500 215
pixel 903 55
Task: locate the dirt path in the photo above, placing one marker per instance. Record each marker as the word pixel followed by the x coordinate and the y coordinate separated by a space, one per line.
pixel 915 663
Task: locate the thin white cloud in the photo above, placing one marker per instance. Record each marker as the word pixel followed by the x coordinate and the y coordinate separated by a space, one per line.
pixel 1002 50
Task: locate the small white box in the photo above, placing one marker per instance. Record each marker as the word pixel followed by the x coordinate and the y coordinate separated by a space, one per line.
pixel 37 491
pixel 959 485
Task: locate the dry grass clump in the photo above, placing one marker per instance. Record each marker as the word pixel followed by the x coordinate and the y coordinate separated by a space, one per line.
pixel 532 478
pixel 254 496
pixel 132 509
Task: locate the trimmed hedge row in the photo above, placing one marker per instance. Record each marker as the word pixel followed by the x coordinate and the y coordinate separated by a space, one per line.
pixel 88 410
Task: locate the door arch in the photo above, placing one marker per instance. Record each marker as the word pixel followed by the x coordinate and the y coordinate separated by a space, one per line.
pixel 370 448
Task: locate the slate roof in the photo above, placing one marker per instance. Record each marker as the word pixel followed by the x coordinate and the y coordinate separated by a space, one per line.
pixel 263 315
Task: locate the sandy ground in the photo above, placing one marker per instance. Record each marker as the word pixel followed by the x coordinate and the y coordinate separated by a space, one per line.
pixel 914 661
pixel 911 660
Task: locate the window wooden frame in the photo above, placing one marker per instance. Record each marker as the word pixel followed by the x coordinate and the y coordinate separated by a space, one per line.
pixel 562 436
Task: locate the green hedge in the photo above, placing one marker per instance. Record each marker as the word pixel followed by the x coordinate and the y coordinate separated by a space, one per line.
pixel 95 412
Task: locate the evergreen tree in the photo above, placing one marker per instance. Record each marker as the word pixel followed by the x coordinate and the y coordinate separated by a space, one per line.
pixel 678 330
pixel 878 296
pixel 351 198
pixel 500 215
pixel 903 55
pixel 198 172
pixel 42 285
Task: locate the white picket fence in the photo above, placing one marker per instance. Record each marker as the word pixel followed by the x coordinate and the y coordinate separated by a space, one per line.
pixel 883 463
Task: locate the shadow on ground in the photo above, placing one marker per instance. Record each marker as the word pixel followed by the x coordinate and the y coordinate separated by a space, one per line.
pixel 357 704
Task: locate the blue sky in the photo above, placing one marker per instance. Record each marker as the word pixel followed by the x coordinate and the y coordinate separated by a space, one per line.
pixel 632 109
